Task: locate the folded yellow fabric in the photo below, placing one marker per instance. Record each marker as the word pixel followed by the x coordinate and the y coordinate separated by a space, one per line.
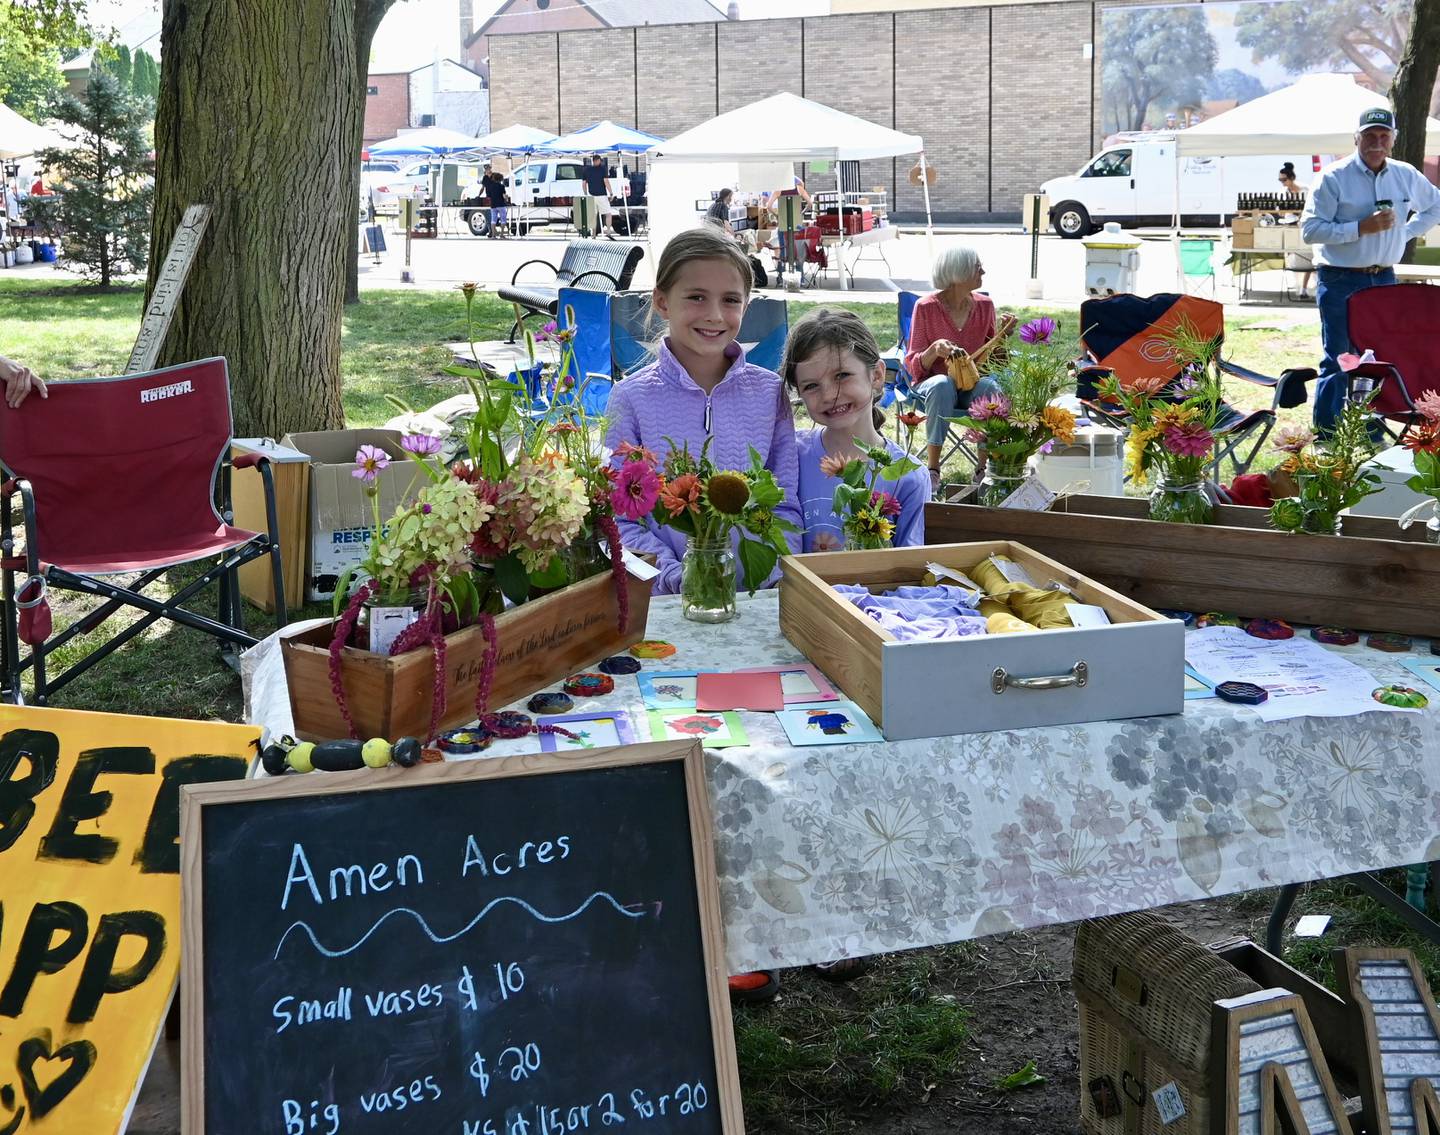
pixel 1007 624
pixel 1046 609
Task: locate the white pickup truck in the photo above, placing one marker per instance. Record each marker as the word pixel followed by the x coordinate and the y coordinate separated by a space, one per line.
pixel 541 192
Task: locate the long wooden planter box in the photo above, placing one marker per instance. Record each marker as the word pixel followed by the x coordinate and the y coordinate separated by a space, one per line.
pixel 1373 577
pixel 541 642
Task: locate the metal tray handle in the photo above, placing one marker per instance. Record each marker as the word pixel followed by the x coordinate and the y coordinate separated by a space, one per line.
pixel 1079 676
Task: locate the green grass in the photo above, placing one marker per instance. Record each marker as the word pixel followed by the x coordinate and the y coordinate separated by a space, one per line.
pixel 824 1050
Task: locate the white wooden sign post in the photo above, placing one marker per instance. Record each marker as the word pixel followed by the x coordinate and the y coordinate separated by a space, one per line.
pixel 168 286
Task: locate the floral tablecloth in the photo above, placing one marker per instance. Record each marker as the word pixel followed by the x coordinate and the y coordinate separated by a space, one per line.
pixel 852 849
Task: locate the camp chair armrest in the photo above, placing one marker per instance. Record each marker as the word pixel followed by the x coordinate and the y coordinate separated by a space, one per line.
pixel 554 270
pixel 1235 370
pixel 614 283
pixel 248 460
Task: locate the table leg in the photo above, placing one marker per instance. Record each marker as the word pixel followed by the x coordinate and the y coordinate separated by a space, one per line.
pixel 1416 876
pixel 1275 928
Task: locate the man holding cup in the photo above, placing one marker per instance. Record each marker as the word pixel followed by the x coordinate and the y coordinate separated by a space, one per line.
pixel 1360 214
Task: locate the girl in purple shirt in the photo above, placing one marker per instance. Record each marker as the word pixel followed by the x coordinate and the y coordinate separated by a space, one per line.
pixel 834 363
pixel 700 387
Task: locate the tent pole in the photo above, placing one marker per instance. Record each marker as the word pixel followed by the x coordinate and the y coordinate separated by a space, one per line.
pixel 1175 231
pixel 929 224
pixel 840 240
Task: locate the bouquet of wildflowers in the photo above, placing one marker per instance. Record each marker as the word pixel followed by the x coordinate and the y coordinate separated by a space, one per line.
pixel 867 512
pixel 1423 441
pixel 1172 425
pixel 687 493
pixel 1011 426
pixel 1327 473
pixel 517 509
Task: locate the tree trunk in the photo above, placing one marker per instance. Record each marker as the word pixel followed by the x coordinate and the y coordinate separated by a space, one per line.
pixel 368 14
pixel 257 117
pixel 1414 83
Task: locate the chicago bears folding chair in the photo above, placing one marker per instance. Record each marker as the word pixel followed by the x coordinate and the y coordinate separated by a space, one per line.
pixel 120 476
pixel 1124 335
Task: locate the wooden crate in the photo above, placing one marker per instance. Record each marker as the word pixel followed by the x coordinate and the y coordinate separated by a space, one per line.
pixel 1144 992
pixel 541 642
pixel 1133 668
pixel 1374 577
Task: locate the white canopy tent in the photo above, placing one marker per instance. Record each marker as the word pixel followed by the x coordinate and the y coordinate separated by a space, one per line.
pixel 19 137
pixel 782 129
pixel 1316 115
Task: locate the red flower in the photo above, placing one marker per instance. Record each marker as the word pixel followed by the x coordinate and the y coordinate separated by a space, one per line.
pixel 888 504
pixel 1424 438
pixel 910 418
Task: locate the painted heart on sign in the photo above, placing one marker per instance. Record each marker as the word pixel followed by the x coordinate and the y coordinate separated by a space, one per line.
pixel 78 1057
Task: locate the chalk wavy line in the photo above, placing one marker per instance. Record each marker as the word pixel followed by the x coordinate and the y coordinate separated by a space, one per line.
pixel 420 918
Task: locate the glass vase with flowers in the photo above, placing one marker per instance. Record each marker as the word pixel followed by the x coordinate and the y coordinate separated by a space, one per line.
pixel 1329 474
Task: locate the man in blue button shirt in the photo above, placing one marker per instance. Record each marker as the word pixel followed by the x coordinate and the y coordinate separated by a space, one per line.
pixel 1359 213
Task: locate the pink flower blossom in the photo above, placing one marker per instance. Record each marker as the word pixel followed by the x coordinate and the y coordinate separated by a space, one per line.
pixel 989 406
pixel 369 461
pixel 885 502
pixel 1429 405
pixel 628 451
pixel 1188 440
pixel 832 466
pixel 1038 330
pixel 421 445
pixel 1293 439
pixel 636 489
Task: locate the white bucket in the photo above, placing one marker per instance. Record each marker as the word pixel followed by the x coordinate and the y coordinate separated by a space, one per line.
pixel 1096 455
pixel 23 255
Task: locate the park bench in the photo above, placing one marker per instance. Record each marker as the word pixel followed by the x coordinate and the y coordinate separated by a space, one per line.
pixel 595 265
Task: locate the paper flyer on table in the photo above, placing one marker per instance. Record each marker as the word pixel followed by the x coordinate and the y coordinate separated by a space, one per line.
pixel 1303 678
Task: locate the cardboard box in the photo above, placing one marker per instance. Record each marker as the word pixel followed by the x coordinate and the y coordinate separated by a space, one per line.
pixel 1242 232
pixel 341 515
pixel 290 470
pixel 1133 668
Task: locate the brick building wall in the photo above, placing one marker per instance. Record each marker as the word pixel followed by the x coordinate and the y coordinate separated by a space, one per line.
pixel 1005 96
pixel 387 110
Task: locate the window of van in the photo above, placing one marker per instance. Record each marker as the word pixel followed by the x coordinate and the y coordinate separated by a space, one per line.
pixel 1112 163
pixel 568 172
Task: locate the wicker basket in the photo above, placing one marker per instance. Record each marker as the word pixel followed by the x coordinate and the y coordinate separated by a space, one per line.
pixel 1144 991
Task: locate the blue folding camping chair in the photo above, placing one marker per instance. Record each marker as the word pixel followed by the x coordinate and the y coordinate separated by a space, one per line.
pixel 763 331
pixel 591 367
pixel 631 331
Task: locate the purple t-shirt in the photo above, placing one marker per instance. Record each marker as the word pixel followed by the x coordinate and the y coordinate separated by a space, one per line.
pixel 817 494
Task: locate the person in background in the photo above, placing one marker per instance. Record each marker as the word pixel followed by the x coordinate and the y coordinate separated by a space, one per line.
pixel 494 187
pixel 1301 262
pixel 719 211
pixel 834 363
pixel 953 317
pixel 1360 214
pixel 598 192
pixel 19 381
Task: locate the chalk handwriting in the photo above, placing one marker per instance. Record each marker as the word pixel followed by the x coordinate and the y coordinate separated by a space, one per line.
pixel 355 880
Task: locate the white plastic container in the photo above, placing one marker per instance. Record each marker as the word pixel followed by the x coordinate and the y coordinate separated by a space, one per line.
pixel 1394 467
pixel 1112 261
pixel 1097 455
pixel 23 255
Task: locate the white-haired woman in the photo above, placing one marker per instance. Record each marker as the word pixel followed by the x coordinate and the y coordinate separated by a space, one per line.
pixel 954 317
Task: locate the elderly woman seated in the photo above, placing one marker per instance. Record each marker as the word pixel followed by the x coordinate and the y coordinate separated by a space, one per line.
pixel 954 318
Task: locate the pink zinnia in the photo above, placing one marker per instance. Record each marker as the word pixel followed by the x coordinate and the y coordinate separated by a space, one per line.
pixel 636 490
pixel 1429 405
pixel 421 445
pixel 886 502
pixel 1189 440
pixel 989 406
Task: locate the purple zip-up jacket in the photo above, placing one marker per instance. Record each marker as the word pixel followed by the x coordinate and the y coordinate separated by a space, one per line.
pixel 747 408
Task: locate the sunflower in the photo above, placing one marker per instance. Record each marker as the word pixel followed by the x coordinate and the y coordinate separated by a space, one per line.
pixel 728 493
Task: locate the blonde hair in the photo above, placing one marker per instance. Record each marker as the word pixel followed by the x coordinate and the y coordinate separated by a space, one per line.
pixel 707 243
pixel 831 328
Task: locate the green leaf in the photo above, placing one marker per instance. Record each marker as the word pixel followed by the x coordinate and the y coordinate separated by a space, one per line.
pixel 757 561
pixel 342 589
pixel 553 575
pixel 1026 1077
pixel 853 473
pixel 900 467
pixel 513 579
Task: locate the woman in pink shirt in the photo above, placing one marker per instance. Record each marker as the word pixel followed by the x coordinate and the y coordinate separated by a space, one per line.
pixel 952 317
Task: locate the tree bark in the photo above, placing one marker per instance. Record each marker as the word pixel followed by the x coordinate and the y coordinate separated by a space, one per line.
pixel 257 117
pixel 368 14
pixel 1414 85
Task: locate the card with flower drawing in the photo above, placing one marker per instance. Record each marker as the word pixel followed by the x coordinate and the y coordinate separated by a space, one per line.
pixel 668 689
pixel 592 731
pixel 714 730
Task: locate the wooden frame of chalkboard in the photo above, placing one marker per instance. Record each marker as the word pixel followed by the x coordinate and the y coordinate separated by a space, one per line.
pixel 235 841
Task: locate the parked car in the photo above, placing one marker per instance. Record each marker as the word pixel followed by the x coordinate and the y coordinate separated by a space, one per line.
pixel 542 192
pixel 375 178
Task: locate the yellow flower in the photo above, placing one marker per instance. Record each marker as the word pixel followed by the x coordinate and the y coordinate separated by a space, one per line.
pixel 728 493
pixel 1135 445
pixel 1060 422
pixel 1173 416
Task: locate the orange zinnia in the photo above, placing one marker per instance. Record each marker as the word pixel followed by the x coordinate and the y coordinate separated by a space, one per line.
pixel 1145 384
pixel 681 493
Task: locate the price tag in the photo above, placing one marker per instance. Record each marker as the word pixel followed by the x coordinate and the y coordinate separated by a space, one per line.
pixel 1032 496
pixel 940 571
pixel 1087 615
pixel 1013 572
pixel 1168 1103
pixel 386 623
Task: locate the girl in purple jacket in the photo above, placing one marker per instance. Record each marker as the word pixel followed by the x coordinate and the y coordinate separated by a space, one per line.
pixel 700 387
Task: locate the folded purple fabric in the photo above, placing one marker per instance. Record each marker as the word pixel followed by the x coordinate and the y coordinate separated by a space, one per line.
pixel 928 630
pixel 918 613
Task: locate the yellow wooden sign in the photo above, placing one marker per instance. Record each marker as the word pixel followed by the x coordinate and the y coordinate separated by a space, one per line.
pixel 90 904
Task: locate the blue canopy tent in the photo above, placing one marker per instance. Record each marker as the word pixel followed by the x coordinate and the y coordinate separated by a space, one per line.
pixel 603 137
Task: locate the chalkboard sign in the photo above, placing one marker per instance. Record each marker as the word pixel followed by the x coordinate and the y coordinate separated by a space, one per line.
pixel 526 946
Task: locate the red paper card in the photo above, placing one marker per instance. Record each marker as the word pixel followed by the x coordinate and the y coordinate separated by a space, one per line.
pixel 760 692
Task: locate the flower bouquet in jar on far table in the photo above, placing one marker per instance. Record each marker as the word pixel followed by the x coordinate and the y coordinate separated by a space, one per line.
pixel 1328 474
pixel 687 493
pixel 1016 423
pixel 1422 439
pixel 867 512
pixel 1172 423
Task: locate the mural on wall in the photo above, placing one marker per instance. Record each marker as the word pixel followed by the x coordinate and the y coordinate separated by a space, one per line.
pixel 1167 67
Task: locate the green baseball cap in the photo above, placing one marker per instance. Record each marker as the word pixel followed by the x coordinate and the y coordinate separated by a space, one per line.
pixel 1377 116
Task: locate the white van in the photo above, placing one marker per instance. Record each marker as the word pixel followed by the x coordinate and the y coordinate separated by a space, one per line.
pixel 1133 182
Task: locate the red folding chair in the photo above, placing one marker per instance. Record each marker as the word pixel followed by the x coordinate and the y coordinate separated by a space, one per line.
pixel 1125 335
pixel 1401 324
pixel 118 476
